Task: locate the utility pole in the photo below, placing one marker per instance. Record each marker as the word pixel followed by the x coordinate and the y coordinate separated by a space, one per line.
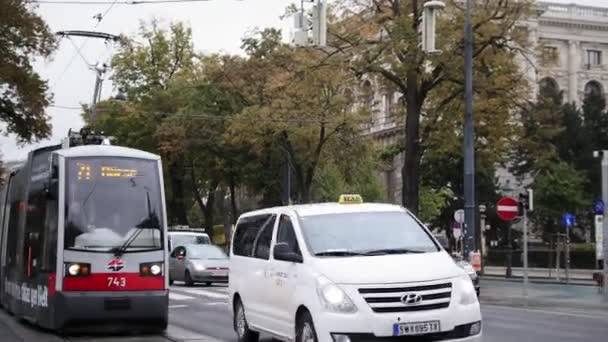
pixel 604 156
pixel 99 68
pixel 469 152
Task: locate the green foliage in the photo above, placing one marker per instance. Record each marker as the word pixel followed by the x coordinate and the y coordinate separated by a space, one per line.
pixel 558 189
pixel 381 40
pixel 360 178
pixel 23 93
pixel 433 202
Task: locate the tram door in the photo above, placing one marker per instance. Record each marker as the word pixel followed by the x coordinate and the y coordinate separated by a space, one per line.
pixel 4 209
pixel 39 240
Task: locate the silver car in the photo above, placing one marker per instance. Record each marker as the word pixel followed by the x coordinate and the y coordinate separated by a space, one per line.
pixel 198 264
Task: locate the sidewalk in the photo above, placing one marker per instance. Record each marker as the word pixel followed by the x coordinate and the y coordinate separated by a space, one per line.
pixel 545 275
pixel 558 297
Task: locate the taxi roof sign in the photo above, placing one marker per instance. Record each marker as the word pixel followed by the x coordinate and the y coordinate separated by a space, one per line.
pixel 350 199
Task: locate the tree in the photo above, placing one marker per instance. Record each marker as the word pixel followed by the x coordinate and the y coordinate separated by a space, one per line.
pixel 559 189
pixel 23 94
pixel 381 36
pixel 300 108
pixel 148 72
pixel 542 129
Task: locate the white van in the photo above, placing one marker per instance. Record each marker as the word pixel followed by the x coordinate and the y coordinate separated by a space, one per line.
pixel 345 272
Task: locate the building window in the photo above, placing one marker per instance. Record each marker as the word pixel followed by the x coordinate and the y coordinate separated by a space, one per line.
pixel 550 54
pixel 594 58
pixel 389 100
pixel 593 88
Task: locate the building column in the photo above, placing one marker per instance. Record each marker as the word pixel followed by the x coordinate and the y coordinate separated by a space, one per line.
pixel 573 67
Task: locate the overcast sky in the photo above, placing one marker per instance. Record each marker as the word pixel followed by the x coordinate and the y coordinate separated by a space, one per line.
pixel 217 26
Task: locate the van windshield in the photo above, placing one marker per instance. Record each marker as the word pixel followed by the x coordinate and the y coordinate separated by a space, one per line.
pixel 365 233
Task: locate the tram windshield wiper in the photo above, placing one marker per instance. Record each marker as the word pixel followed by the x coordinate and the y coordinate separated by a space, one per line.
pixel 150 222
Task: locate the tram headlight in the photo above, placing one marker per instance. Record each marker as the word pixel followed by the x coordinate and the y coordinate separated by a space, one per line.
pixel 155 269
pixel 151 269
pixel 73 269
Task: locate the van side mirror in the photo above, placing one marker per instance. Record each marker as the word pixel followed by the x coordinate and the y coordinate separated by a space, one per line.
pixel 283 252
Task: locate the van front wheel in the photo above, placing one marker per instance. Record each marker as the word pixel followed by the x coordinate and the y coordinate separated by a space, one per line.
pixel 305 330
pixel 242 327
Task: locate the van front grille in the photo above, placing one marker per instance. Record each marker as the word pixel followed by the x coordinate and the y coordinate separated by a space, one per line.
pixel 408 298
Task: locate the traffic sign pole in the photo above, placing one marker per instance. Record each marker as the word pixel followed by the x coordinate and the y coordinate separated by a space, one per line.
pixel 526 254
pixel 605 221
pixel 507 209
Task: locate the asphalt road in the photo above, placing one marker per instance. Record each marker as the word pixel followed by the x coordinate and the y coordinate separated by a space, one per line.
pixel 208 314
pixel 201 314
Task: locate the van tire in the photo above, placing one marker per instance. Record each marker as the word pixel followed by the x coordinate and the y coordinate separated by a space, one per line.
pixel 305 328
pixel 241 327
pixel 188 279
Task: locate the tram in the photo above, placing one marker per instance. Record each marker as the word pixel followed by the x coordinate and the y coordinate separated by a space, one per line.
pixel 83 237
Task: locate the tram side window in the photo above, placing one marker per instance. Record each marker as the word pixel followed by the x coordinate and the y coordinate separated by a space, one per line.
pixel 35 237
pixel 15 202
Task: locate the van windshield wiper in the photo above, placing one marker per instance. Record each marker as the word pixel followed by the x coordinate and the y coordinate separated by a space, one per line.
pixel 386 251
pixel 338 252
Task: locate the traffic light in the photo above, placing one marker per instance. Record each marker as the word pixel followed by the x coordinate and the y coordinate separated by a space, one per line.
pixel 526 200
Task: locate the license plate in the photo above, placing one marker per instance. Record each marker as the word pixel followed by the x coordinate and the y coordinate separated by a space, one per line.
pixel 219 273
pixel 417 328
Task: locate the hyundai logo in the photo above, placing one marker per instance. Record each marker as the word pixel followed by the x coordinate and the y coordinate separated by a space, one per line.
pixel 411 299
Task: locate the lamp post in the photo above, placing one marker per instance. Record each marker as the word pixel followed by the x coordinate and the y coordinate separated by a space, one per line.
pixel 469 151
pixel 604 155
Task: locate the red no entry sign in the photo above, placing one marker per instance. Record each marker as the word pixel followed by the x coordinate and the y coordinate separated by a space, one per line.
pixel 507 208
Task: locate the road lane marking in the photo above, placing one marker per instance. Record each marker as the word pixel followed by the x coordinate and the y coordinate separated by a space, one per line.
pixel 558 313
pixel 205 293
pixel 177 296
pixel 177 306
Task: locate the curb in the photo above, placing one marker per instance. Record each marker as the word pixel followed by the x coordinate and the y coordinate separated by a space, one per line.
pixel 537 280
pixel 519 302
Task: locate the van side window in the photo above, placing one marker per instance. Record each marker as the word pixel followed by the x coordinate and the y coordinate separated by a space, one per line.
pixel 262 246
pixel 287 235
pixel 247 232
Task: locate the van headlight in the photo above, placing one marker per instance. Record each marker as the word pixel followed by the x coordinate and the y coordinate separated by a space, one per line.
pixel 467 290
pixel 333 297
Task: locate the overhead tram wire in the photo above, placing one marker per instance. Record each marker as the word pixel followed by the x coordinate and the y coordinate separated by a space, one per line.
pixel 79 49
pixel 131 2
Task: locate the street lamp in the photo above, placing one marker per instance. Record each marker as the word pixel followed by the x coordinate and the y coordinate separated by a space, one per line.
pixel 469 151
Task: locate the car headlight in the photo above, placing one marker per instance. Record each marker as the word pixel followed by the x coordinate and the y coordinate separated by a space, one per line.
pixel 199 267
pixel 467 290
pixel 333 297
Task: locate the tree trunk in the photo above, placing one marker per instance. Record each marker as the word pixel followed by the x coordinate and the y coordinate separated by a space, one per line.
pixel 210 209
pixel 410 173
pixel 233 208
pixel 176 175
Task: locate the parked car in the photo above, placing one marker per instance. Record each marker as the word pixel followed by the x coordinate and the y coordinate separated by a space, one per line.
pixel 202 263
pixel 186 237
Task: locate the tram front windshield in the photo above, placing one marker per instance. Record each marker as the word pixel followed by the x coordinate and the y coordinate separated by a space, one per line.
pixel 113 203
